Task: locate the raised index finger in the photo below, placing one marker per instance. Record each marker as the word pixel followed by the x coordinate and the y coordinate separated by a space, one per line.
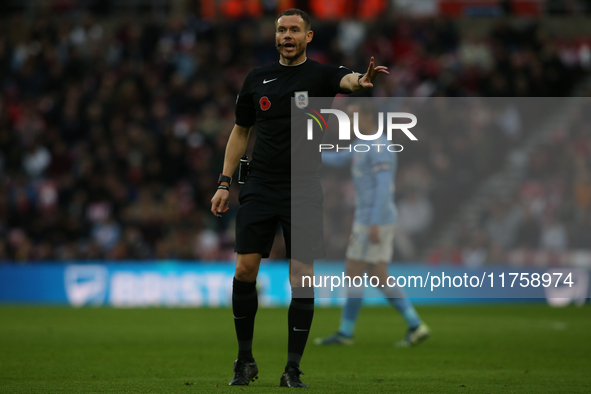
pixel 371 66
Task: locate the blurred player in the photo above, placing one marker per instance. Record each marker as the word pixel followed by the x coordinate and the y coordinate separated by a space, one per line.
pixel 265 199
pixel 372 237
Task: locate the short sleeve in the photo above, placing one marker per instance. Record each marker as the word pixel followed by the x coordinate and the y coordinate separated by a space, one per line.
pixel 333 75
pixel 245 109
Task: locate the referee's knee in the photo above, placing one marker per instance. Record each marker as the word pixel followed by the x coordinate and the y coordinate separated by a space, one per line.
pixel 247 267
pixel 244 275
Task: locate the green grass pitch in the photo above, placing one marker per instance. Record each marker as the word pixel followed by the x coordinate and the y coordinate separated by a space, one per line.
pixel 474 349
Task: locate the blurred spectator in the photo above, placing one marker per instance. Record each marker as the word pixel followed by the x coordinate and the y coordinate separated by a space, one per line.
pixel 528 232
pixel 106 233
pixel 415 214
pixel 502 224
pixel 36 160
pixel 475 253
pixel 553 235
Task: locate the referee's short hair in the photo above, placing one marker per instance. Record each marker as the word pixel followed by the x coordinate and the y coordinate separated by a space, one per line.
pixel 296 11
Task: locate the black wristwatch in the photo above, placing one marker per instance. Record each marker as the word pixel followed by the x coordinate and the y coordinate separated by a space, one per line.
pixel 224 178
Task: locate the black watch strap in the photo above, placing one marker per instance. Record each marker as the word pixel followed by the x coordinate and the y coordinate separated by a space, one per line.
pixel 224 178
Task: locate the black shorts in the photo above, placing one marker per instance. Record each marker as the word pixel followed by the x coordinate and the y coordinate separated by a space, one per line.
pixel 265 204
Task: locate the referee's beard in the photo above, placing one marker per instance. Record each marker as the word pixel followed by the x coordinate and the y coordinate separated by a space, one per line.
pixel 300 49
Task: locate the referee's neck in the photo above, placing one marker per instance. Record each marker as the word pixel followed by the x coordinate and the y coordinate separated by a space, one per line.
pixel 293 65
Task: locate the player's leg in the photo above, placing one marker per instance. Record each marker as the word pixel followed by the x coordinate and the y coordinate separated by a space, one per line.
pixel 255 230
pixel 356 251
pixel 244 307
pixel 353 301
pixel 299 318
pixel 304 240
pixel 301 310
pixel 377 256
pixel 350 311
pixel 417 331
pixel 245 302
pixel 396 296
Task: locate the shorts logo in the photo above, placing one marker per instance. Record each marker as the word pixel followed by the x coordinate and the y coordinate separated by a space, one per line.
pixel 264 103
pixel 301 99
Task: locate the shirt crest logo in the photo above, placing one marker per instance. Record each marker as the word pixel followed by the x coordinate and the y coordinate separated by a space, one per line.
pixel 301 99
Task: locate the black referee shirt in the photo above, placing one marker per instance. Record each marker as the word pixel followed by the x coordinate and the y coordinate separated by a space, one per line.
pixel 265 99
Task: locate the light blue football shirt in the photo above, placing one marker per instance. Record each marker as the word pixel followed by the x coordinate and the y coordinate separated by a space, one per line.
pixel 373 176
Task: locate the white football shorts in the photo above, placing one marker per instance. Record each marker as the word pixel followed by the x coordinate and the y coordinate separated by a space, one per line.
pixel 360 248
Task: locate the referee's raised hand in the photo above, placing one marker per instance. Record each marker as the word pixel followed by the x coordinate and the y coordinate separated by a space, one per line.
pixel 219 202
pixel 366 81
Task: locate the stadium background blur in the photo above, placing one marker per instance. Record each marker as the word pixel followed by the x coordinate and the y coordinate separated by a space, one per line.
pixel 114 117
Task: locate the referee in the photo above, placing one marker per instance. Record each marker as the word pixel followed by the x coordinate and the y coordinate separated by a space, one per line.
pixel 265 199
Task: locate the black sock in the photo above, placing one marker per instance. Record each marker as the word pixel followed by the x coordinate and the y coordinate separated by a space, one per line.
pixel 244 305
pixel 299 317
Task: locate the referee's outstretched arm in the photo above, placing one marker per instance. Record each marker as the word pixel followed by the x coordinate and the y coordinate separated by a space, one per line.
pixel 234 150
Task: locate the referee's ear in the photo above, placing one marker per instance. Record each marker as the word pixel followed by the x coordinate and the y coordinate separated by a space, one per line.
pixel 309 36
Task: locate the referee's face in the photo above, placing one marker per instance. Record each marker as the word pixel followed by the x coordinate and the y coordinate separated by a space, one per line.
pixel 293 36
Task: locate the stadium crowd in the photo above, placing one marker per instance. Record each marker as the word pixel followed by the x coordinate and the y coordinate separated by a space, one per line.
pixel 112 131
pixel 548 220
